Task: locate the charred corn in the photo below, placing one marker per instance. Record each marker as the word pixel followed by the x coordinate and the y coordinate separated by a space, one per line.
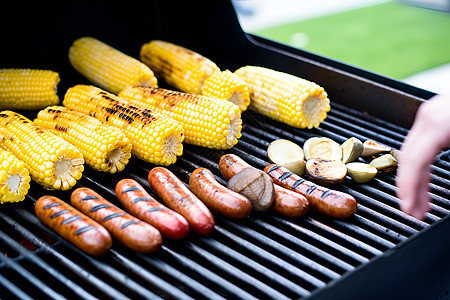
pixel 51 161
pixel 14 178
pixel 207 121
pixel 284 97
pixel 182 68
pixel 155 137
pixel 28 89
pixel 107 67
pixel 104 147
pixel 227 85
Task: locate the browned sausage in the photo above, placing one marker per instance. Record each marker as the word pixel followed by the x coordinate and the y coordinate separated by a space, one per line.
pixel 178 197
pixel 139 203
pixel 322 200
pixel 286 202
pixel 218 197
pixel 128 230
pixel 72 225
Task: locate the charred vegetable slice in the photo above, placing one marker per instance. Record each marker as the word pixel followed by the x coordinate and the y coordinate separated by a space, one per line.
pixel 287 154
pixel 351 150
pixel 361 172
pixel 371 147
pixel 325 171
pixel 322 147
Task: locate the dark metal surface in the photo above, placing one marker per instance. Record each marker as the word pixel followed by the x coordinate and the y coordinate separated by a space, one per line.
pixel 379 253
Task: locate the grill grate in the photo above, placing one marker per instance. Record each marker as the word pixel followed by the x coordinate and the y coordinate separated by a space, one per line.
pixel 264 256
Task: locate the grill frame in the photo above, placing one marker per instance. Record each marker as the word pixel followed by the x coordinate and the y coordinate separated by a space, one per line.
pixel 360 267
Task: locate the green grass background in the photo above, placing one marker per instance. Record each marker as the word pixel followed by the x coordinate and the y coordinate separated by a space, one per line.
pixel 393 39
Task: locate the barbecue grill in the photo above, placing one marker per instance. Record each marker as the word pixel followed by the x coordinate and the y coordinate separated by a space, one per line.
pixel 379 253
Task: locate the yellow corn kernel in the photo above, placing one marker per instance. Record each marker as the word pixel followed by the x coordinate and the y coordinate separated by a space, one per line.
pixel 14 178
pixel 51 161
pixel 105 148
pixel 28 89
pixel 227 85
pixel 284 97
pixel 107 67
pixel 155 137
pixel 182 68
pixel 207 121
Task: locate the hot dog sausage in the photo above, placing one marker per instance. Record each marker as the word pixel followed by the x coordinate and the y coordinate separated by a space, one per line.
pixel 139 203
pixel 218 197
pixel 286 202
pixel 178 197
pixel 322 200
pixel 72 225
pixel 128 230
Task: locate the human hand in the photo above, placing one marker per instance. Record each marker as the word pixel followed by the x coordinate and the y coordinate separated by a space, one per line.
pixel 429 134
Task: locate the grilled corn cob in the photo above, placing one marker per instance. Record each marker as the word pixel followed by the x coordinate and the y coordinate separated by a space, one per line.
pixel 227 85
pixel 182 68
pixel 104 147
pixel 22 89
pixel 155 137
pixel 190 72
pixel 284 97
pixel 14 178
pixel 207 121
pixel 51 161
pixel 107 67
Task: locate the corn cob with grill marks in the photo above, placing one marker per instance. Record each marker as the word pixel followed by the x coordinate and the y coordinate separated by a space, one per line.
pixel 51 161
pixel 107 67
pixel 14 178
pixel 190 72
pixel 104 147
pixel 155 137
pixel 284 97
pixel 208 122
pixel 28 89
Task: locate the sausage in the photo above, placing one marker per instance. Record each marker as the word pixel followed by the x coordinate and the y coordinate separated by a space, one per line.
pixel 218 197
pixel 74 226
pixel 128 230
pixel 322 200
pixel 286 202
pixel 178 197
pixel 139 203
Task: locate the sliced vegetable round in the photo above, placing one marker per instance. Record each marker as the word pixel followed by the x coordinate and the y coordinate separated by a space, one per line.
pixel 361 172
pixel 287 154
pixel 351 150
pixel 326 172
pixel 322 147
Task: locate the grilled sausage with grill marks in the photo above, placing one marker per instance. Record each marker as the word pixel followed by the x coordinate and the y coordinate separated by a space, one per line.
pixel 128 230
pixel 139 203
pixel 286 202
pixel 72 225
pixel 218 197
pixel 178 197
pixel 322 200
